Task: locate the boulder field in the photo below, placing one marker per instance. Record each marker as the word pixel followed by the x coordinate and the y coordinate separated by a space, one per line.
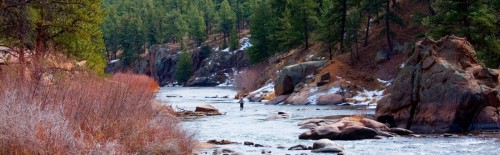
pixel 442 88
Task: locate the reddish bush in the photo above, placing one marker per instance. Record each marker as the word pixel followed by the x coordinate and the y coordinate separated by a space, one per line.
pixel 247 80
pixel 85 114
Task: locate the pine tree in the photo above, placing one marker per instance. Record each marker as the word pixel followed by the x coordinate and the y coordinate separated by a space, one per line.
pixel 184 67
pixel 475 20
pixel 197 26
pixel 328 26
pixel 302 15
pixel 72 27
pixel 261 28
pixel 227 20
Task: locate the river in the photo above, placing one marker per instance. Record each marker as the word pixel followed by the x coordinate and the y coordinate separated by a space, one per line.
pixel 255 124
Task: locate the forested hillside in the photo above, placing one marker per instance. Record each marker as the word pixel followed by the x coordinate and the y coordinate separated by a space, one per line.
pixel 281 25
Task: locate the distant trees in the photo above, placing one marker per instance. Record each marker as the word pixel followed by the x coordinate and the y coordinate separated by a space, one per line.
pixel 477 20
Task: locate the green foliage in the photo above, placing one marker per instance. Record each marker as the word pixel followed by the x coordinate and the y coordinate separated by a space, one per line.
pixel 72 28
pixel 197 27
pixel 184 67
pixel 476 20
pixel 261 28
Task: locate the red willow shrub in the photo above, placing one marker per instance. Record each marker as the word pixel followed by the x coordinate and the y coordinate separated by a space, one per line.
pixel 247 80
pixel 86 114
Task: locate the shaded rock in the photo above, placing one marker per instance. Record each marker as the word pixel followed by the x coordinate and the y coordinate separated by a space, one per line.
pixel 206 109
pixel 330 99
pixel 298 147
pixel 299 98
pixel 356 133
pixel 248 143
pixel 222 142
pixel 258 145
pixel 255 98
pixel 326 146
pixel 226 150
pixel 401 131
pixel 325 79
pixel 277 100
pixel 290 76
pixel 487 119
pixel 381 56
pixel 442 88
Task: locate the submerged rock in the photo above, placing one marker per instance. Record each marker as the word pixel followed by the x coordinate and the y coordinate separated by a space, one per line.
pixel 442 88
pixel 326 146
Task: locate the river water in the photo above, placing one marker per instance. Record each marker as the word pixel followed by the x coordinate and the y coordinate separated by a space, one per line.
pixel 256 124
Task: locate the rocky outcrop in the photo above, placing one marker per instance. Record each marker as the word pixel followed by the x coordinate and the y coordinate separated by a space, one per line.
pixel 218 68
pixel 211 67
pixel 348 128
pixel 442 88
pixel 292 75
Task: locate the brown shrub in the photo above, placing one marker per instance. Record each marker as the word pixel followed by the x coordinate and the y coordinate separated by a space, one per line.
pixel 86 114
pixel 247 80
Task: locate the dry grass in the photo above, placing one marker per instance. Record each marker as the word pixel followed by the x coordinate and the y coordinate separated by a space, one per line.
pixel 85 114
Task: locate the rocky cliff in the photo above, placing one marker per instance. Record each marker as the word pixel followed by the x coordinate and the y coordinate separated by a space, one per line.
pixel 442 88
pixel 211 66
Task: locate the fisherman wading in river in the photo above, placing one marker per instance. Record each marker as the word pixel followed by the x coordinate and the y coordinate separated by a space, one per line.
pixel 241 103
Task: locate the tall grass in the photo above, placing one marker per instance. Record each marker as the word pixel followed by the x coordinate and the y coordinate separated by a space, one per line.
pixel 85 114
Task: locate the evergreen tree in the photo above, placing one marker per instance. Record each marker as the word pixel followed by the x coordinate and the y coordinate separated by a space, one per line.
pixel 197 26
pixel 475 20
pixel 260 20
pixel 328 26
pixel 184 67
pixel 71 27
pixel 227 20
pixel 302 17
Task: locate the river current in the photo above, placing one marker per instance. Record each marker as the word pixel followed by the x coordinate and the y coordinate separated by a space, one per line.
pixel 255 123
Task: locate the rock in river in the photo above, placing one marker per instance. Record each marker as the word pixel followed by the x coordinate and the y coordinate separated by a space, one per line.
pixel 442 88
pixel 326 146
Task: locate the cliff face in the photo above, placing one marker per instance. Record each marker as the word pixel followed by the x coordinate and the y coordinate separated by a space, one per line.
pixel 211 66
pixel 442 88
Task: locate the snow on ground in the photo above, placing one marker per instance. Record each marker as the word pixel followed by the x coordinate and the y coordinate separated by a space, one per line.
pixel 366 97
pixel 230 81
pixel 402 65
pixel 386 83
pixel 315 95
pixel 225 50
pixel 245 43
pixel 114 61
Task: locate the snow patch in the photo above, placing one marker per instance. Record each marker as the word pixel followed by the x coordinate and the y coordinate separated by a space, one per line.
pixel 402 65
pixel 114 61
pixel 314 97
pixel 225 50
pixel 386 83
pixel 245 44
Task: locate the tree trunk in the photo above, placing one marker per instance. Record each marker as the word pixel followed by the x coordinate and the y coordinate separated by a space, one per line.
pixel 367 29
pixel 306 30
pixel 330 51
pixel 342 26
pixel 388 29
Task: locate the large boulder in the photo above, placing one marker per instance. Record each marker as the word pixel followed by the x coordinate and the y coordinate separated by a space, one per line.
pixel 290 76
pixel 326 146
pixel 442 88
pixel 330 99
pixel 207 108
pixel 299 98
pixel 348 128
